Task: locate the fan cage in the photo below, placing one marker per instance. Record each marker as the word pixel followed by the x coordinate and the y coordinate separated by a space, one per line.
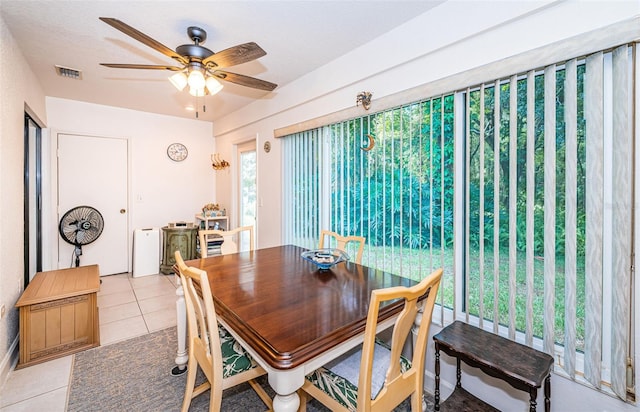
pixel 81 225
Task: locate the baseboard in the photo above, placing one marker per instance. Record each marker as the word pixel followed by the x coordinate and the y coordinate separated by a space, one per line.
pixel 430 383
pixel 9 361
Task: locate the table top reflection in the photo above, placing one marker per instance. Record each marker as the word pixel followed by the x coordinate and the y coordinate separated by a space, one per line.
pixel 287 309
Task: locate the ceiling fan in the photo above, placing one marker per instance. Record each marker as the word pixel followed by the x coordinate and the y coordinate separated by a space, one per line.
pixel 199 67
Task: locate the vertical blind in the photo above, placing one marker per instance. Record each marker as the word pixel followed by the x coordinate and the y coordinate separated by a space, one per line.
pixel 622 216
pixel 546 178
pixel 302 188
pixel 397 195
pixel 560 218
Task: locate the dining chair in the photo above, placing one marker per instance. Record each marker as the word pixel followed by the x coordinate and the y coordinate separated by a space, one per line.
pixel 342 242
pixel 221 358
pixel 232 240
pixel 382 378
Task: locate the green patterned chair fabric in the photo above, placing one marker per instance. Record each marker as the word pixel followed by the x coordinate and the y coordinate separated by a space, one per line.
pixel 340 380
pixel 235 358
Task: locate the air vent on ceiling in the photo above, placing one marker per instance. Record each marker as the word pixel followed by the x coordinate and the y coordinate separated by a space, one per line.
pixel 69 72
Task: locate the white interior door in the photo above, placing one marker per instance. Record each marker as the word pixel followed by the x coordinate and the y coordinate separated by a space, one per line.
pixel 93 171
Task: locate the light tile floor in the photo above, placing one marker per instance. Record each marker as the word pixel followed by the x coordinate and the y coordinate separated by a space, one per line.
pixel 128 307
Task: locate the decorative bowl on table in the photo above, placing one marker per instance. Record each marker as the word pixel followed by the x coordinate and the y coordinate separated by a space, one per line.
pixel 325 258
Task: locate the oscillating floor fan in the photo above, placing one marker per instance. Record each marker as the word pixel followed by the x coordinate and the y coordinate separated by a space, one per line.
pixel 80 226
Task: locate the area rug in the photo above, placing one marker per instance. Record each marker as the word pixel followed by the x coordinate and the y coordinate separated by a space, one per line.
pixel 134 375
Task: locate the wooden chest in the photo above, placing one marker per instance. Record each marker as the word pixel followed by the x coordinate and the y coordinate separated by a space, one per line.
pixel 59 314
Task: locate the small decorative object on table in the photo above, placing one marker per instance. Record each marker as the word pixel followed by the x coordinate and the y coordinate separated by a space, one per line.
pixel 325 258
pixel 210 209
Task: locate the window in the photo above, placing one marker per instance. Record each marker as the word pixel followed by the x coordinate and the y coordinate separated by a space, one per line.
pixel 520 188
pixel 399 196
pixel 247 183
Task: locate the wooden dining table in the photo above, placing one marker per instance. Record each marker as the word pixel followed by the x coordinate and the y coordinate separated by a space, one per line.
pixel 289 315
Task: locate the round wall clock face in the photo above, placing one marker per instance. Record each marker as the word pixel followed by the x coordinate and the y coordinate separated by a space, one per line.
pixel 177 152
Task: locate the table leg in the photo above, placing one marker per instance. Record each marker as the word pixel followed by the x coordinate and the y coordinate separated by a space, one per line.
pixel 458 374
pixel 547 394
pixel 436 394
pixel 286 403
pixel 182 355
pixel 286 385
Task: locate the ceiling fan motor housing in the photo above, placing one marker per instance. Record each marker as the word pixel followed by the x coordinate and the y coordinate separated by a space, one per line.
pixel 190 51
pixel 193 51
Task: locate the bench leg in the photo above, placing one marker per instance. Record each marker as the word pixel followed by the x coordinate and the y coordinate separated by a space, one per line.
pixel 547 394
pixel 436 394
pixel 533 396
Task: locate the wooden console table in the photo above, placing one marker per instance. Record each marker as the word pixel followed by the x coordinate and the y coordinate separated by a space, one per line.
pixel 59 314
pixel 522 367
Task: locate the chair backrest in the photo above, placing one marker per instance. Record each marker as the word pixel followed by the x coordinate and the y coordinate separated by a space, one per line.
pixel 342 242
pixel 398 385
pixel 180 265
pixel 202 324
pixel 232 240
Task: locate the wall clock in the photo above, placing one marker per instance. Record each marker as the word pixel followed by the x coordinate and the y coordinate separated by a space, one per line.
pixel 177 152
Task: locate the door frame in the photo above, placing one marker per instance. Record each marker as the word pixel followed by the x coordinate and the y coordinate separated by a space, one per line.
pixel 238 146
pixel 32 154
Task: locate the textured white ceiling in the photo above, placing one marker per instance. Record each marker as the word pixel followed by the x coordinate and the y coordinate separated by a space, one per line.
pixel 298 37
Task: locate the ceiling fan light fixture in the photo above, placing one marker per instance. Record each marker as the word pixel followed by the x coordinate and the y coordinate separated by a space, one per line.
pixel 196 80
pixel 213 86
pixel 196 61
pixel 197 92
pixel 179 80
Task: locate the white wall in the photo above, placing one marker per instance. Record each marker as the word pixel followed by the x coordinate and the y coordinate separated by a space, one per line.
pixel 161 190
pixel 19 88
pixel 454 37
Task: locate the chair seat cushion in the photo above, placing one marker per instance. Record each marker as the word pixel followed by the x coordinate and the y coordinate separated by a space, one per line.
pixel 235 358
pixel 340 379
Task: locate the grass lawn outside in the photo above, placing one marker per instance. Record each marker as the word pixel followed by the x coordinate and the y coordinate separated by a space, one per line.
pixel 417 263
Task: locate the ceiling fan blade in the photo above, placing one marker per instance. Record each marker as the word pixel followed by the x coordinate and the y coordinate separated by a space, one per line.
pixel 241 53
pixel 143 38
pixel 142 66
pixel 243 80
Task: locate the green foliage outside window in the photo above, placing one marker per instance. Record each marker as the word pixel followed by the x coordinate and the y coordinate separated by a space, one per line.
pixel 400 195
